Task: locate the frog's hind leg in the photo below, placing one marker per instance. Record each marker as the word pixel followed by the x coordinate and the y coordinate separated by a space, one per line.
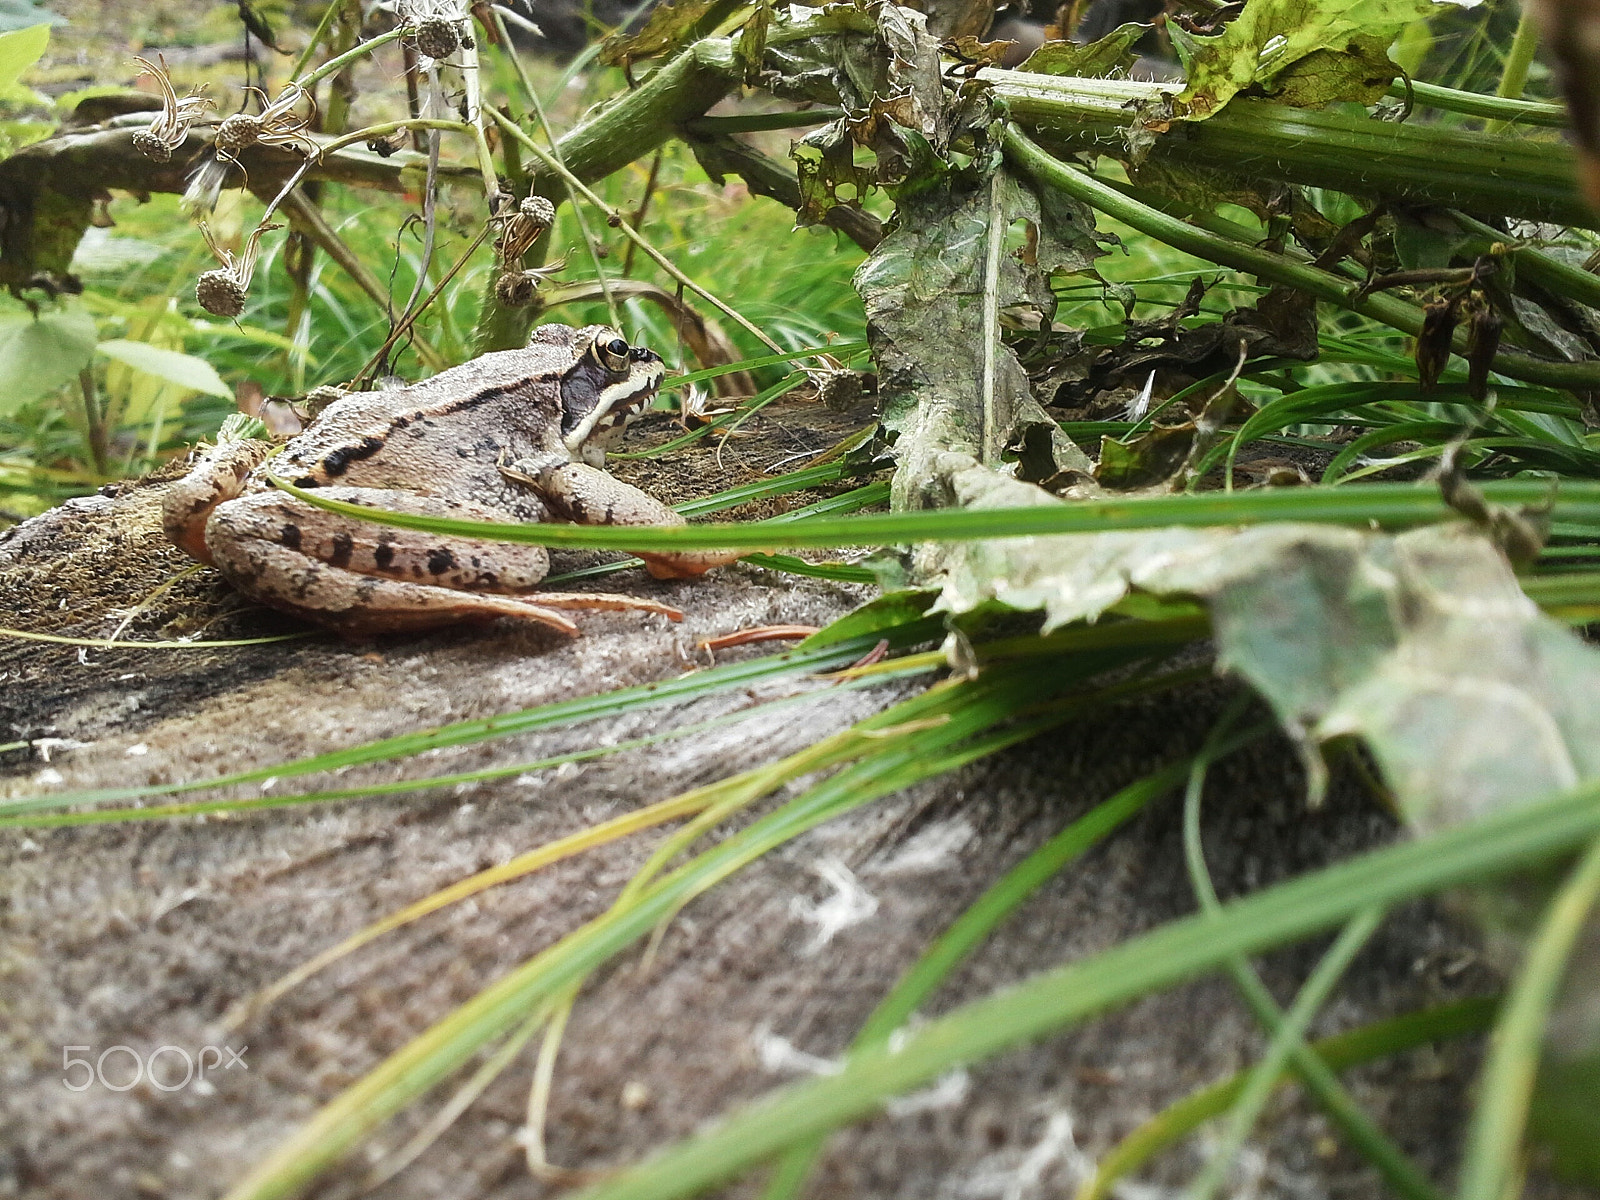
pixel 361 578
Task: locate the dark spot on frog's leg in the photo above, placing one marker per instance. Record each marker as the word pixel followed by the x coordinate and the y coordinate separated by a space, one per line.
pixel 383 555
pixel 289 535
pixel 343 546
pixel 440 561
pixel 337 462
pixel 307 481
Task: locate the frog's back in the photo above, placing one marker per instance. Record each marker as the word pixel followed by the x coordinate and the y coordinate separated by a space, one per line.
pixel 431 431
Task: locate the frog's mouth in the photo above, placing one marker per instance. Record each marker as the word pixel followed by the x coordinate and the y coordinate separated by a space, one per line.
pixel 618 405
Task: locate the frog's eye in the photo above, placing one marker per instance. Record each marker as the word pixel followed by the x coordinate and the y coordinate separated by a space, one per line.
pixel 614 354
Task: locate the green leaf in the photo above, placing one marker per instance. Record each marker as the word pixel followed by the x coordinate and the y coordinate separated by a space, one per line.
pixel 1271 36
pixel 1361 72
pixel 185 370
pixel 19 50
pixel 38 355
pixel 1111 55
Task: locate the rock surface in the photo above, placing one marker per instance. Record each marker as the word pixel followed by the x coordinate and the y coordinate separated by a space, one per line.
pixel 144 934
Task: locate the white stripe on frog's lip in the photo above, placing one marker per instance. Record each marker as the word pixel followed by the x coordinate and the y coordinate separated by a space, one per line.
pixel 619 402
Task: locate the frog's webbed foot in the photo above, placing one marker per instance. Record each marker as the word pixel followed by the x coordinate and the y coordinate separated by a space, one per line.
pixel 587 496
pixel 217 477
pixel 361 578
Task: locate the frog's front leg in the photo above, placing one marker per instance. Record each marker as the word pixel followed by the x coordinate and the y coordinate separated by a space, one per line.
pixel 216 477
pixel 362 578
pixel 588 496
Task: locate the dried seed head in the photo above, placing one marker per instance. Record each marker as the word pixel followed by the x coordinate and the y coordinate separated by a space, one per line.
pixel 538 210
pixel 521 229
pixel 169 127
pixel 516 289
pixel 219 293
pixel 1439 319
pixel 237 133
pixel 152 146
pixel 1483 342
pixel 437 37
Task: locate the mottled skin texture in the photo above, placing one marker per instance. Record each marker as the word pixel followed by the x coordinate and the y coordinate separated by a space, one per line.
pixel 514 436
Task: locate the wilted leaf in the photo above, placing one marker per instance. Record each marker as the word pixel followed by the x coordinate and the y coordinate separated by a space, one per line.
pixel 923 288
pixel 1270 36
pixel 975 52
pixel 185 370
pixel 824 164
pixel 1112 55
pixel 669 26
pixel 753 41
pixel 1421 643
pixel 1361 72
pixel 1151 458
pixel 38 355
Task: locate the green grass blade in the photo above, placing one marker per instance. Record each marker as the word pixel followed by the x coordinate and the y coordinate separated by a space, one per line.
pixel 100 816
pixel 1285 1040
pixel 1387 505
pixel 1494 1141
pixel 970 929
pixel 1061 998
pixel 971 707
pixel 1363 1133
pixel 1382 1039
pixel 838 350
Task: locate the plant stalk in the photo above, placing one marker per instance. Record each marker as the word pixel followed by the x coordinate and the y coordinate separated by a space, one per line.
pixel 1279 268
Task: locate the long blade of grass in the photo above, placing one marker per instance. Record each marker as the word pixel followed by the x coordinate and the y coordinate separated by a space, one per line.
pixel 1385 505
pixel 1494 1141
pixel 975 924
pixel 1263 1077
pixel 1381 1039
pixel 1061 998
pixel 893 668
pixel 1363 1133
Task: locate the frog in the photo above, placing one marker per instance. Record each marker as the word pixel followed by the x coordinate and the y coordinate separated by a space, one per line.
pixel 513 436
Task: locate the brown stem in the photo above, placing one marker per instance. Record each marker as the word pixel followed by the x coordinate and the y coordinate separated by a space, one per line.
pixel 96 423
pixel 644 207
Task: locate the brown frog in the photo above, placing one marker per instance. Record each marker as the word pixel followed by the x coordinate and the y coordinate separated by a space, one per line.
pixel 513 436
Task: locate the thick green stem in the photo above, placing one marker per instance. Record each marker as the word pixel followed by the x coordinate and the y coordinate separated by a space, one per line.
pixel 1265 264
pixel 1479 172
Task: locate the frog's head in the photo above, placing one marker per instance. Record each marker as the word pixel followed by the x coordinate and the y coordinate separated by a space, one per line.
pixel 608 384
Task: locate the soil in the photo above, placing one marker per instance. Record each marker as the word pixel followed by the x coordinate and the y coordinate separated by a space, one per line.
pixel 144 935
